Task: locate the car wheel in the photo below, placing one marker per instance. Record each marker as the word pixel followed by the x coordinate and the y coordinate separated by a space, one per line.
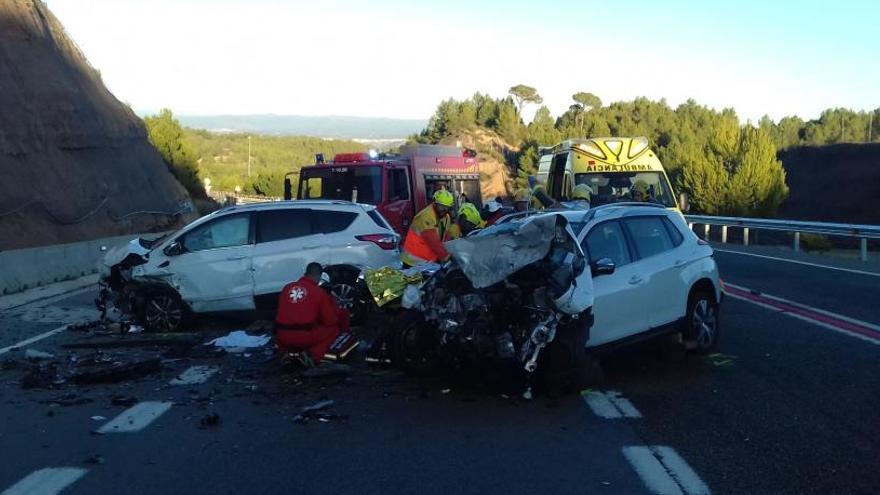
pixel 352 293
pixel 163 311
pixel 702 326
pixel 412 343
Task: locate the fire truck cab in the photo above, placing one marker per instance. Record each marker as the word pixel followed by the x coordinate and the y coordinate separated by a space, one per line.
pixel 399 185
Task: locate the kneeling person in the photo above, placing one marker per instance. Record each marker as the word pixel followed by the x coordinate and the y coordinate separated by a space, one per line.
pixel 308 319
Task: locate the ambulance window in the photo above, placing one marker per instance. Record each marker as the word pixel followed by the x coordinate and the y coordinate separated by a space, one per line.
pixel 606 240
pixel 649 235
pixel 277 225
pixel 398 186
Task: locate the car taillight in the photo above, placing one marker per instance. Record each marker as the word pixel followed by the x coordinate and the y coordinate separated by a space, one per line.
pixel 384 241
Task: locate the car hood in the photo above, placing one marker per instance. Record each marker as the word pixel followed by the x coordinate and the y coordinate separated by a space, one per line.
pixel 495 253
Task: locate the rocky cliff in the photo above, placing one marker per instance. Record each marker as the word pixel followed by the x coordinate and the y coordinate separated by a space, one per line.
pixel 75 161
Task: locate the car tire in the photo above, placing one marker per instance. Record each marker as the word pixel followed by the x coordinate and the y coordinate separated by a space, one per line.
pixel 701 323
pixel 347 287
pixel 163 311
pixel 412 343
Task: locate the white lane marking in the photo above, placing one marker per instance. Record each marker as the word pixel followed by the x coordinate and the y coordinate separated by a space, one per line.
pixel 194 375
pixel 610 405
pixel 806 318
pixel 681 471
pixel 48 481
pixel 809 308
pixel 135 418
pixel 31 340
pixel 663 471
pixel 653 474
pixel 798 262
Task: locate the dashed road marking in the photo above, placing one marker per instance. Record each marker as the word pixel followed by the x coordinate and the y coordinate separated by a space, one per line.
pixel 48 481
pixel 610 405
pixel 194 375
pixel 31 340
pixel 135 418
pixel 663 471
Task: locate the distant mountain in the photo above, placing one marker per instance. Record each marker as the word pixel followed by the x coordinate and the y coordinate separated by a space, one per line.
pixel 320 126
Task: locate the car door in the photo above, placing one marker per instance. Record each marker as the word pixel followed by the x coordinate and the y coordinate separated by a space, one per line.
pixel 213 273
pixel 398 209
pixel 661 264
pixel 618 301
pixel 286 243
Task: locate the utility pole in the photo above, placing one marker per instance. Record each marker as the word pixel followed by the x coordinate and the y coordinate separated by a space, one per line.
pixel 249 156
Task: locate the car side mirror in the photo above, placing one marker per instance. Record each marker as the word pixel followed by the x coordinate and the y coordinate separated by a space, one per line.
pixel 173 249
pixel 601 267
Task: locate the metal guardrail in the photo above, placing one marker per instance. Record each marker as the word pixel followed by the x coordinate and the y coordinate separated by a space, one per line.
pixel 861 232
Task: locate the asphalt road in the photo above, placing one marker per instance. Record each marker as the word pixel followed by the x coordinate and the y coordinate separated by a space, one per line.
pixel 788 407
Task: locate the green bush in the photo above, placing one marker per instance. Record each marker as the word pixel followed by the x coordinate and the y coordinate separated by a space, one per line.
pixel 815 242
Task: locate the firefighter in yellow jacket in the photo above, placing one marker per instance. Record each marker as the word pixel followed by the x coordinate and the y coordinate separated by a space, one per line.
pixel 424 240
pixel 467 220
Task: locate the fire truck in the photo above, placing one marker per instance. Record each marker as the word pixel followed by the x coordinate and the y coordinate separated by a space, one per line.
pixel 399 184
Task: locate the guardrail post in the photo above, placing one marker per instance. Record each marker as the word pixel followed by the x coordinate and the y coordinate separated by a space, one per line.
pixel 745 236
pixel 691 225
pixel 863 255
pixel 724 234
pixel 797 242
pixel 706 232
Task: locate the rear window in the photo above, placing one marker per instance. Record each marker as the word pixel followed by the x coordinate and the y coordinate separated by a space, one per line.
pixel 674 233
pixel 277 225
pixel 327 222
pixel 649 235
pixel 378 219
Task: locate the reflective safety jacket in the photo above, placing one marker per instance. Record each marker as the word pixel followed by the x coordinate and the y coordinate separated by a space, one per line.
pixel 303 305
pixel 424 239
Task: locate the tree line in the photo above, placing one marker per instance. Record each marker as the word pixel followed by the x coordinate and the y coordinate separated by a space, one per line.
pixel 194 155
pixel 725 167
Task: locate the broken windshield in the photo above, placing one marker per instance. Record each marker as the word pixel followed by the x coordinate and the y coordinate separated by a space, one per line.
pixel 361 184
pixel 614 187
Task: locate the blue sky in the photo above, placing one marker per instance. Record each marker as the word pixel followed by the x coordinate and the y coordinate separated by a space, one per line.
pixel 400 58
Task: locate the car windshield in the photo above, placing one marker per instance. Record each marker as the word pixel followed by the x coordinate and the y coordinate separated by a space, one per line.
pixel 615 187
pixel 361 184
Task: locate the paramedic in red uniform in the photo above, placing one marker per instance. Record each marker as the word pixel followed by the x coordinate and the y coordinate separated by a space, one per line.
pixel 308 319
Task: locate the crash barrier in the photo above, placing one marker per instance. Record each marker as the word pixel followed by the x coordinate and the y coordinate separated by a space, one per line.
pixel 232 199
pixel 23 269
pixel 853 231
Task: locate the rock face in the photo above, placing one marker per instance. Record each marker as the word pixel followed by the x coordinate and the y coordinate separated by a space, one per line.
pixel 75 161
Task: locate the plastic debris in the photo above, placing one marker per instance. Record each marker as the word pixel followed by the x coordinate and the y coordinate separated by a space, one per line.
pixel 35 355
pixel 95 459
pixel 210 421
pixel 113 372
pixel 314 412
pixel 135 329
pixel 240 339
pixel 98 418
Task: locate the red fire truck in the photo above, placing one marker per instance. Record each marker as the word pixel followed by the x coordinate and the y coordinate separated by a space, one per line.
pixel 398 184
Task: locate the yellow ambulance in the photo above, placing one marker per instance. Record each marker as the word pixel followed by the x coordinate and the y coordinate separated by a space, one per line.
pixel 617 169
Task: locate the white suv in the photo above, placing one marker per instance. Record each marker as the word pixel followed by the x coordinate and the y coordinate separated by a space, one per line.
pixel 239 258
pixel 651 275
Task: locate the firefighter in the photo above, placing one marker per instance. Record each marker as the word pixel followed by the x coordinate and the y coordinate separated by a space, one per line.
pixel 308 320
pixel 494 210
pixel 467 221
pixel 424 240
pixel 521 199
pixel 580 197
pixel 639 192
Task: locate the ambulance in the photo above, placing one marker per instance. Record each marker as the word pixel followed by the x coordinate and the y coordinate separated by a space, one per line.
pixel 613 167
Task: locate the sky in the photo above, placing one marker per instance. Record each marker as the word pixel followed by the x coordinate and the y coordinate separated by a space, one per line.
pixel 390 58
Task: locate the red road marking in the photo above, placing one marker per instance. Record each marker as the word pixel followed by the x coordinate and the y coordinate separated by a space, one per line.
pixel 812 315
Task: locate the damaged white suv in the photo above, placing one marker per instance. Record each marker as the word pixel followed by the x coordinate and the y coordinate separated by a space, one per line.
pixel 239 258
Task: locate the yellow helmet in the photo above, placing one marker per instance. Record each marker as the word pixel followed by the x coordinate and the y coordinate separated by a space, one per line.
pixel 581 191
pixel 444 198
pixel 640 186
pixel 470 213
pixel 521 195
